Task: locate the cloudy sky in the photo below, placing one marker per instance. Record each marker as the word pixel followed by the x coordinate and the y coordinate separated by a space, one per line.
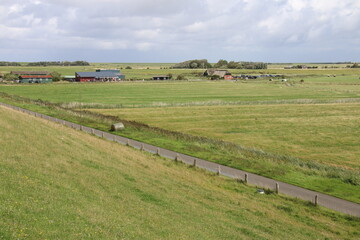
pixel 178 30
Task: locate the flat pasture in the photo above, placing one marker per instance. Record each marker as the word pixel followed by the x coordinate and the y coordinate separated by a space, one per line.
pixel 160 93
pixel 326 133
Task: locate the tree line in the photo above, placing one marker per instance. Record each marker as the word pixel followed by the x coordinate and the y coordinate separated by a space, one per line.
pixel 46 63
pixel 203 63
pixel 59 63
pixel 9 64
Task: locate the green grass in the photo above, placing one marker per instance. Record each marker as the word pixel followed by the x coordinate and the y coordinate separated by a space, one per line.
pixel 333 180
pixel 325 133
pixel 58 183
pixel 139 94
pixel 322 138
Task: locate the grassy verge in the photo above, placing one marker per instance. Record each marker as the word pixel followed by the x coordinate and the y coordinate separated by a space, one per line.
pixel 336 181
pixel 58 183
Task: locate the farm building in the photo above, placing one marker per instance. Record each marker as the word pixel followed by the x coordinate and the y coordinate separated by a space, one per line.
pixel 162 77
pixel 69 78
pixel 228 77
pixel 35 78
pixel 99 76
pixel 220 73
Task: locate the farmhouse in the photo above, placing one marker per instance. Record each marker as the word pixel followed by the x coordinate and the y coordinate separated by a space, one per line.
pixel 220 73
pixel 99 76
pixel 162 77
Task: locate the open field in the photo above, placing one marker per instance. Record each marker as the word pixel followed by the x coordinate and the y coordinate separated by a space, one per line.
pixel 325 133
pixel 279 130
pixel 140 94
pixel 108 191
pixel 338 176
pixel 258 116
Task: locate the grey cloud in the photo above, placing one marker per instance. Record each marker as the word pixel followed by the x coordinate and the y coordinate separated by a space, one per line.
pixel 200 28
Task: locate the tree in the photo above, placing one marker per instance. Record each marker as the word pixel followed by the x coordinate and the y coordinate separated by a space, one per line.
pixel 202 63
pixel 355 65
pixel 56 76
pixel 233 65
pixel 10 77
pixel 194 65
pixel 221 64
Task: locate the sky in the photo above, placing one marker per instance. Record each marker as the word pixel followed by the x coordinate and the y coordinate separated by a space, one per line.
pixel 178 30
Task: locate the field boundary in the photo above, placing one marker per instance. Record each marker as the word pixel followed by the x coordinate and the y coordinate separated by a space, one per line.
pixel 317 198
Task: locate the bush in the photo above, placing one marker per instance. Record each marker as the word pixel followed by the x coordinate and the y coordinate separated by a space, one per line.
pixel 215 77
pixel 56 76
pixel 128 67
pixel 181 77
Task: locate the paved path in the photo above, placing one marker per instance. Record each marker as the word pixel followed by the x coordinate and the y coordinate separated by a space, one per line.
pixel 325 200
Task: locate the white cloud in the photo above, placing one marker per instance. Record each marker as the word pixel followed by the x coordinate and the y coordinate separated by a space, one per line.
pixel 195 27
pixel 148 33
pixel 200 28
pixel 144 46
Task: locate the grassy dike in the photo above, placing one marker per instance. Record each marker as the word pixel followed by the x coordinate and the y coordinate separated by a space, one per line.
pixel 335 181
pixel 59 183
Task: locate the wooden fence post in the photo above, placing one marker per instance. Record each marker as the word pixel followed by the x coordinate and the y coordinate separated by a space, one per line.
pixel 277 188
pixel 194 163
pixel 219 170
pixel 157 151
pixel 246 178
pixel 142 147
pixel 316 200
pixel 177 157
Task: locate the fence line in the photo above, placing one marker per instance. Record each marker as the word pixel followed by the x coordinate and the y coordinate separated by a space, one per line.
pixel 317 198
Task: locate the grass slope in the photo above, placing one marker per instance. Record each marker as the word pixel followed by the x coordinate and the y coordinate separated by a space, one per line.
pixel 58 183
